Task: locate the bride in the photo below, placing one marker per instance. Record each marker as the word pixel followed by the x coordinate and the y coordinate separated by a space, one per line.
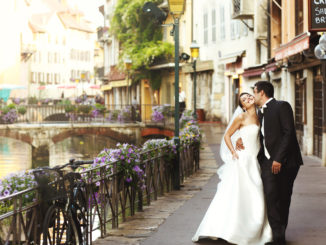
pixel 237 213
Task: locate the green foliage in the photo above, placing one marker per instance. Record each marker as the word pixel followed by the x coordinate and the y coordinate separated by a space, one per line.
pixel 140 38
pixel 4 110
pixel 32 100
pixel 69 108
pixel 21 110
pixel 11 106
pixel 65 102
pixel 86 109
pixel 100 107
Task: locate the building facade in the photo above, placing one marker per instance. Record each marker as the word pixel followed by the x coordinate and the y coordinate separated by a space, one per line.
pixel 53 48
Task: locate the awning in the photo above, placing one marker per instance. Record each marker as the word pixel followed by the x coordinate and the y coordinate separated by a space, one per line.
pixel 256 71
pixel 164 66
pixel 295 46
pixel 114 84
pixel 253 71
pixel 231 57
pixel 201 66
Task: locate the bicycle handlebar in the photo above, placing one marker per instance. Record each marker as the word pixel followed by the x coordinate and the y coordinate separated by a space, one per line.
pixel 72 163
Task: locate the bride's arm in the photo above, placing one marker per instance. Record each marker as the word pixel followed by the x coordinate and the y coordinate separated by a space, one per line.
pixel 227 137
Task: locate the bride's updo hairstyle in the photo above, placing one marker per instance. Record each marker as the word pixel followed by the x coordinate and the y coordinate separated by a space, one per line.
pixel 240 102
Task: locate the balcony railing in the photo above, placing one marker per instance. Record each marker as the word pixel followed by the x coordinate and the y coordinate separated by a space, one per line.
pixel 100 73
pixel 109 198
pixel 156 115
pixel 27 49
pixel 103 34
pixel 242 9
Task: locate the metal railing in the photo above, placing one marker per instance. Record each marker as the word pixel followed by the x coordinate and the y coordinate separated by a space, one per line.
pixel 109 197
pixel 117 113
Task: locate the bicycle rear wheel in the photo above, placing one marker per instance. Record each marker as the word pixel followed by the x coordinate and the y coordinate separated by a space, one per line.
pixel 60 228
pixel 80 212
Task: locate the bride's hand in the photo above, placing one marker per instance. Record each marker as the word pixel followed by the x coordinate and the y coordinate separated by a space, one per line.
pixel 235 155
pixel 239 145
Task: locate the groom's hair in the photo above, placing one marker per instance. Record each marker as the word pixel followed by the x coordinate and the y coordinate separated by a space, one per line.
pixel 267 87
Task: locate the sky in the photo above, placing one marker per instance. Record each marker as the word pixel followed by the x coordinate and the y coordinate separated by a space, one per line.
pixel 90 9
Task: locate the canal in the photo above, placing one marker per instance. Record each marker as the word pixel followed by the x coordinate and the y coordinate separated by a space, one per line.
pixel 16 155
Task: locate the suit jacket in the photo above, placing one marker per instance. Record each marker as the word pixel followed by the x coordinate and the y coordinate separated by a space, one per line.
pixel 280 135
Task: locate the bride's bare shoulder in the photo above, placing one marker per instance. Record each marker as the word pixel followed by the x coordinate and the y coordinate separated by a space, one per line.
pixel 241 116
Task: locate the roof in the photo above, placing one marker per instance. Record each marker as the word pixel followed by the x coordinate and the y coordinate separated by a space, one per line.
pixel 115 74
pixel 38 22
pixel 73 22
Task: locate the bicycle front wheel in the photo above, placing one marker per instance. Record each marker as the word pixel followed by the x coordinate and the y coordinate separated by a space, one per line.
pixel 60 228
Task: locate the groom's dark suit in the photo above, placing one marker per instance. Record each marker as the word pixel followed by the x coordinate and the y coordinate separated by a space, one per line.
pixel 282 145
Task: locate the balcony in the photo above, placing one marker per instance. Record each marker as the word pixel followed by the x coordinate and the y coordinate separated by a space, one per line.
pixel 242 9
pixel 27 49
pixel 100 73
pixel 103 34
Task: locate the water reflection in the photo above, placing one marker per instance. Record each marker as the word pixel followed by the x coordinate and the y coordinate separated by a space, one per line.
pixel 16 155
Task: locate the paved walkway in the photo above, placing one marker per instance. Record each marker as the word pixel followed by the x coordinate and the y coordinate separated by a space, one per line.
pixel 174 218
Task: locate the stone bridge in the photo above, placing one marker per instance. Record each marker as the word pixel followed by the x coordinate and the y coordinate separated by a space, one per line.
pixel 42 136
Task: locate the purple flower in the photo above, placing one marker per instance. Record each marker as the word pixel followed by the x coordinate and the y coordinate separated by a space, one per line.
pixel 137 168
pixel 6 193
pixel 128 180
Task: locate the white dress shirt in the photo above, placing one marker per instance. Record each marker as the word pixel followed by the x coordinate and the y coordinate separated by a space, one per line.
pixel 263 130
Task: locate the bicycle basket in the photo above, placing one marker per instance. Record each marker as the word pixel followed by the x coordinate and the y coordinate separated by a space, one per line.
pixel 50 184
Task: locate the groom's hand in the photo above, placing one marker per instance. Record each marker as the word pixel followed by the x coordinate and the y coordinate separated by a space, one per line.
pixel 276 167
pixel 239 145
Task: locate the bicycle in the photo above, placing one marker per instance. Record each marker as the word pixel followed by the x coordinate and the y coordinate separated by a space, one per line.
pixel 63 201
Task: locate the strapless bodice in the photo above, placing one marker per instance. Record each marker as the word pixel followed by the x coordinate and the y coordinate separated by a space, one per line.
pixel 250 138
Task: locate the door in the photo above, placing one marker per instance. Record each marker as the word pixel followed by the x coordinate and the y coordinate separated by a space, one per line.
pixel 300 105
pixel 236 91
pixel 318 114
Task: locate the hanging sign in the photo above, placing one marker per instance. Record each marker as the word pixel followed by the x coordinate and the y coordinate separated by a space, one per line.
pixel 317 15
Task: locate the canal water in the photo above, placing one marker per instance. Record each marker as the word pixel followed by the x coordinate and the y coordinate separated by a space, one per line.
pixel 16 155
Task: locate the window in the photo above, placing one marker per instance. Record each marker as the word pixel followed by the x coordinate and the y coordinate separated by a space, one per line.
pixel 233 26
pixel 298 17
pixel 205 28
pixel 213 25
pixel 222 23
pixel 245 28
pixel 34 57
pixel 33 77
pixel 237 28
pixel 48 78
pixel 165 35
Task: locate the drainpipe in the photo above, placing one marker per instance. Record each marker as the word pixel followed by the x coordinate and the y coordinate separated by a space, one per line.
pixel 268 30
pixel 192 20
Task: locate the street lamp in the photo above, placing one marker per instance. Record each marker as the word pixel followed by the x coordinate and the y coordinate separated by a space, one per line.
pixel 176 8
pixel 128 64
pixel 320 53
pixel 194 49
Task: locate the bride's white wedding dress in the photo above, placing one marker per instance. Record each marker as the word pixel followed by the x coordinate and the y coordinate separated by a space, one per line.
pixel 237 213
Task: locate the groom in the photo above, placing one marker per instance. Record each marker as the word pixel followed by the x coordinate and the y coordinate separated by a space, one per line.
pixel 279 157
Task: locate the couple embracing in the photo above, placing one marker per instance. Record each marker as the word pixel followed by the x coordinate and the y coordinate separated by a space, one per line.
pixel 261 158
